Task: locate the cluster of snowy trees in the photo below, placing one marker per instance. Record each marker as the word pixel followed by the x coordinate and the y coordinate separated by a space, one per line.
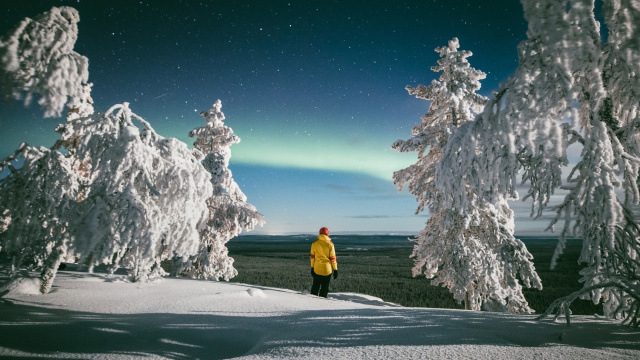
pixel 570 87
pixel 111 190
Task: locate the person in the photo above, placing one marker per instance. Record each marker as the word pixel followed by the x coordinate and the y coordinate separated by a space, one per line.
pixel 323 263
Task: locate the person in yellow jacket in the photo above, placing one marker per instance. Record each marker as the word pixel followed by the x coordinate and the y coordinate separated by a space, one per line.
pixel 323 263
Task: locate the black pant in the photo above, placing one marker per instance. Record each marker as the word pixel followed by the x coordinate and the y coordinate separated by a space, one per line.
pixel 320 283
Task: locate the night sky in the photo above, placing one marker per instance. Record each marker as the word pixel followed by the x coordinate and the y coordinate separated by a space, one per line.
pixel 315 90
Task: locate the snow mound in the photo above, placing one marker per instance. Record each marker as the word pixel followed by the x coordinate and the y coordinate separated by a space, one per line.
pixel 253 292
pixel 21 285
pixel 362 299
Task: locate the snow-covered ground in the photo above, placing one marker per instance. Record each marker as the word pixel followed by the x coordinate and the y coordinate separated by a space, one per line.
pixel 92 316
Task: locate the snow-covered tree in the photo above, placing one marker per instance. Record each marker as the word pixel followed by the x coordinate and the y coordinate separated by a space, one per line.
pixel 36 200
pixel 118 193
pixel 146 199
pixel 229 213
pixel 37 58
pixel 474 254
pixel 570 88
pixel 125 196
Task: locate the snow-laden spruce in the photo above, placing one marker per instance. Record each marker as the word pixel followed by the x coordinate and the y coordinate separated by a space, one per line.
pixel 229 213
pixel 570 88
pixel 473 254
pixel 117 193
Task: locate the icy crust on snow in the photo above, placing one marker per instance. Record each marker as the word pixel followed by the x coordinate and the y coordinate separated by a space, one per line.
pixel 99 317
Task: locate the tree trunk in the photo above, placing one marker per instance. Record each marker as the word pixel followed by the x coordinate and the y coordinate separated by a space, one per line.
pixel 467 301
pixel 51 267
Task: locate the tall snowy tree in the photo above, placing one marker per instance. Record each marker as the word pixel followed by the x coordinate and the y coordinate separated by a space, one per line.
pixel 570 88
pixel 229 213
pixel 475 254
pixel 37 58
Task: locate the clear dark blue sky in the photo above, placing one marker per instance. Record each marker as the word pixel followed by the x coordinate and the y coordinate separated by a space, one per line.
pixel 315 89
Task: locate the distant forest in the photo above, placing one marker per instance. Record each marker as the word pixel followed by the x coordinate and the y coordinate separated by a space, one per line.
pixel 380 266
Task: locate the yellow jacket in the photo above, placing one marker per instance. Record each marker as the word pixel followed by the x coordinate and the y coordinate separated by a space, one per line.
pixel 323 256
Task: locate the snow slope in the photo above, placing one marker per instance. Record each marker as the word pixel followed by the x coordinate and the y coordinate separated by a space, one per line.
pixel 93 316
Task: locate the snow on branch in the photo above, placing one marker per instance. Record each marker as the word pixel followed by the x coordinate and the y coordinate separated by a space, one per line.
pixel 562 305
pixel 37 58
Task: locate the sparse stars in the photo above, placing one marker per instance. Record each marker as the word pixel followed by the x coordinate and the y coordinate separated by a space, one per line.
pixel 321 70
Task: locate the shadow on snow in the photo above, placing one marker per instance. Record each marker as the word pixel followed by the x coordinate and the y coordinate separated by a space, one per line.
pixel 45 331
